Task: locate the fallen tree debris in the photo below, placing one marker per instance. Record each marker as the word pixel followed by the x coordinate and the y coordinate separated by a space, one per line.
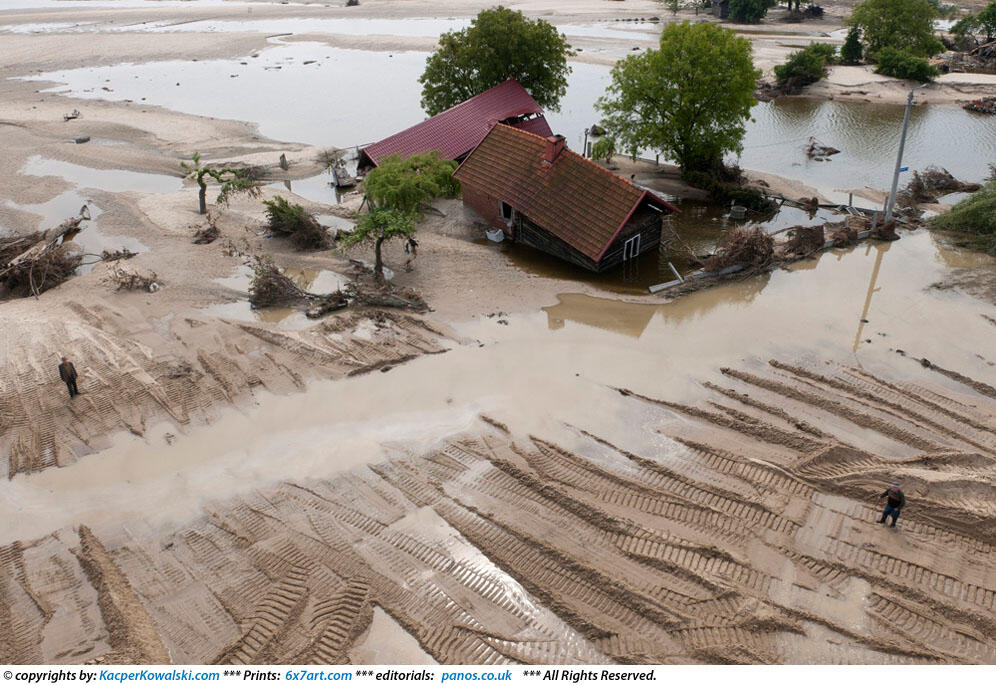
pixel 126 278
pixel 928 186
pixel 123 253
pixel 294 222
pixel 747 247
pixel 270 287
pixel 804 240
pixel 32 264
pixel 818 151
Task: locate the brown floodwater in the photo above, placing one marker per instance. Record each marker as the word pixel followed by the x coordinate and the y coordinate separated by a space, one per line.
pixel 700 227
pixel 543 370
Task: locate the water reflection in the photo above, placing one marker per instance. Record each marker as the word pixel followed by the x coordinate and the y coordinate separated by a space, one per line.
pixel 346 111
pixel 632 319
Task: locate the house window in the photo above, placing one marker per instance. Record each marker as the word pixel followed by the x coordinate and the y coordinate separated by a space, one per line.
pixel 506 212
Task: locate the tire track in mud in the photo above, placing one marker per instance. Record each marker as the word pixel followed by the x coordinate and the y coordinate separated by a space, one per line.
pixel 834 406
pixel 978 386
pixel 492 548
pixel 271 616
pixel 341 619
pixel 954 410
pixel 133 633
pixel 877 400
pixel 919 628
pixel 756 428
pixel 132 373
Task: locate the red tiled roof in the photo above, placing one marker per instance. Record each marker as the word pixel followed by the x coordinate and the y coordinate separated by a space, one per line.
pixel 575 199
pixel 458 130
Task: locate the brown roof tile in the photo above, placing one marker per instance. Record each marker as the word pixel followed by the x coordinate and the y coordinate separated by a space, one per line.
pixel 575 199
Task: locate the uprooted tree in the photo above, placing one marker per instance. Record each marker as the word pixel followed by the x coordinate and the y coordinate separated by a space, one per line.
pixel 295 222
pixel 398 191
pixel 32 264
pixel 231 180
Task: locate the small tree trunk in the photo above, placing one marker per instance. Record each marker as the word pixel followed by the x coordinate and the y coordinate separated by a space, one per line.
pixel 378 261
pixel 202 197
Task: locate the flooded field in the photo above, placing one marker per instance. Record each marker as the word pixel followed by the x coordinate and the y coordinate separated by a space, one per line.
pixel 866 134
pixel 301 516
pixel 545 466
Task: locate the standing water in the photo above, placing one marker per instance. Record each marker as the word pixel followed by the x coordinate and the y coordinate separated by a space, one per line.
pixel 342 110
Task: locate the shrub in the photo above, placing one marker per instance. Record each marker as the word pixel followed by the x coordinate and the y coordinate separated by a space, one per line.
pixel 974 218
pixel 901 64
pixel 296 223
pixel 851 52
pixel 805 66
pixel 749 11
pixel 724 187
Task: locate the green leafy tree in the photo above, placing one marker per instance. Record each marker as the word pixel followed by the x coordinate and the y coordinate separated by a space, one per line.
pixel 805 66
pixel 672 5
pixel 901 24
pixel 498 45
pixel 398 191
pixel 987 21
pixel 690 99
pixel 604 149
pixel 749 11
pixel 232 181
pixel 851 51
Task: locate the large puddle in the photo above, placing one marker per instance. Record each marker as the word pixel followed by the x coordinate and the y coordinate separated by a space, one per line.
pixel 346 112
pixel 318 281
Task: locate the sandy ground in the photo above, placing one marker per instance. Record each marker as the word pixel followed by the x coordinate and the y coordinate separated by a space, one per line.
pixel 398 488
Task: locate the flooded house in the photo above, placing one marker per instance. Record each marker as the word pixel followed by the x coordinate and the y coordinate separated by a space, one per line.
pixel 537 192
pixel 458 130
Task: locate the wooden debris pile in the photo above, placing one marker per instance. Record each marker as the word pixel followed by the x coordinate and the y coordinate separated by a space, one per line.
pixel 804 240
pixel 747 247
pixel 124 277
pixel 818 151
pixel 270 287
pixel 928 186
pixel 32 264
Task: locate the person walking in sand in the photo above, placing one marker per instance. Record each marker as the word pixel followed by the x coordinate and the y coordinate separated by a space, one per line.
pixel 894 504
pixel 67 372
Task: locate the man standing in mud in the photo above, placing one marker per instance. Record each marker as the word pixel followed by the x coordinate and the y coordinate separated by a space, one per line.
pixel 67 372
pixel 895 502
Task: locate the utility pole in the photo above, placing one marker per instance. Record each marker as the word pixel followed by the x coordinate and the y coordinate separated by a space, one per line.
pixel 899 158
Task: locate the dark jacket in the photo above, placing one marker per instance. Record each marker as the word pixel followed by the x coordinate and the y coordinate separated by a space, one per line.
pixel 67 372
pixel 897 500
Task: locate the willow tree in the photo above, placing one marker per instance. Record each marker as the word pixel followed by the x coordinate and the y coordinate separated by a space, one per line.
pixel 398 191
pixel 690 99
pixel 231 181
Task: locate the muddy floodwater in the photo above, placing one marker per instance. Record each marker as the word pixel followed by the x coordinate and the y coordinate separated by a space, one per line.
pixel 557 357
pixel 543 467
pixel 867 134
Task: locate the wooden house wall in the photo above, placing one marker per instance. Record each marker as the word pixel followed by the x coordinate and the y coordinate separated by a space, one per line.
pixel 486 205
pixel 644 221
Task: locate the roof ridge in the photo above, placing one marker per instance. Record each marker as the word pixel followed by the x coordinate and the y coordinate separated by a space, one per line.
pixel 483 92
pixel 589 162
